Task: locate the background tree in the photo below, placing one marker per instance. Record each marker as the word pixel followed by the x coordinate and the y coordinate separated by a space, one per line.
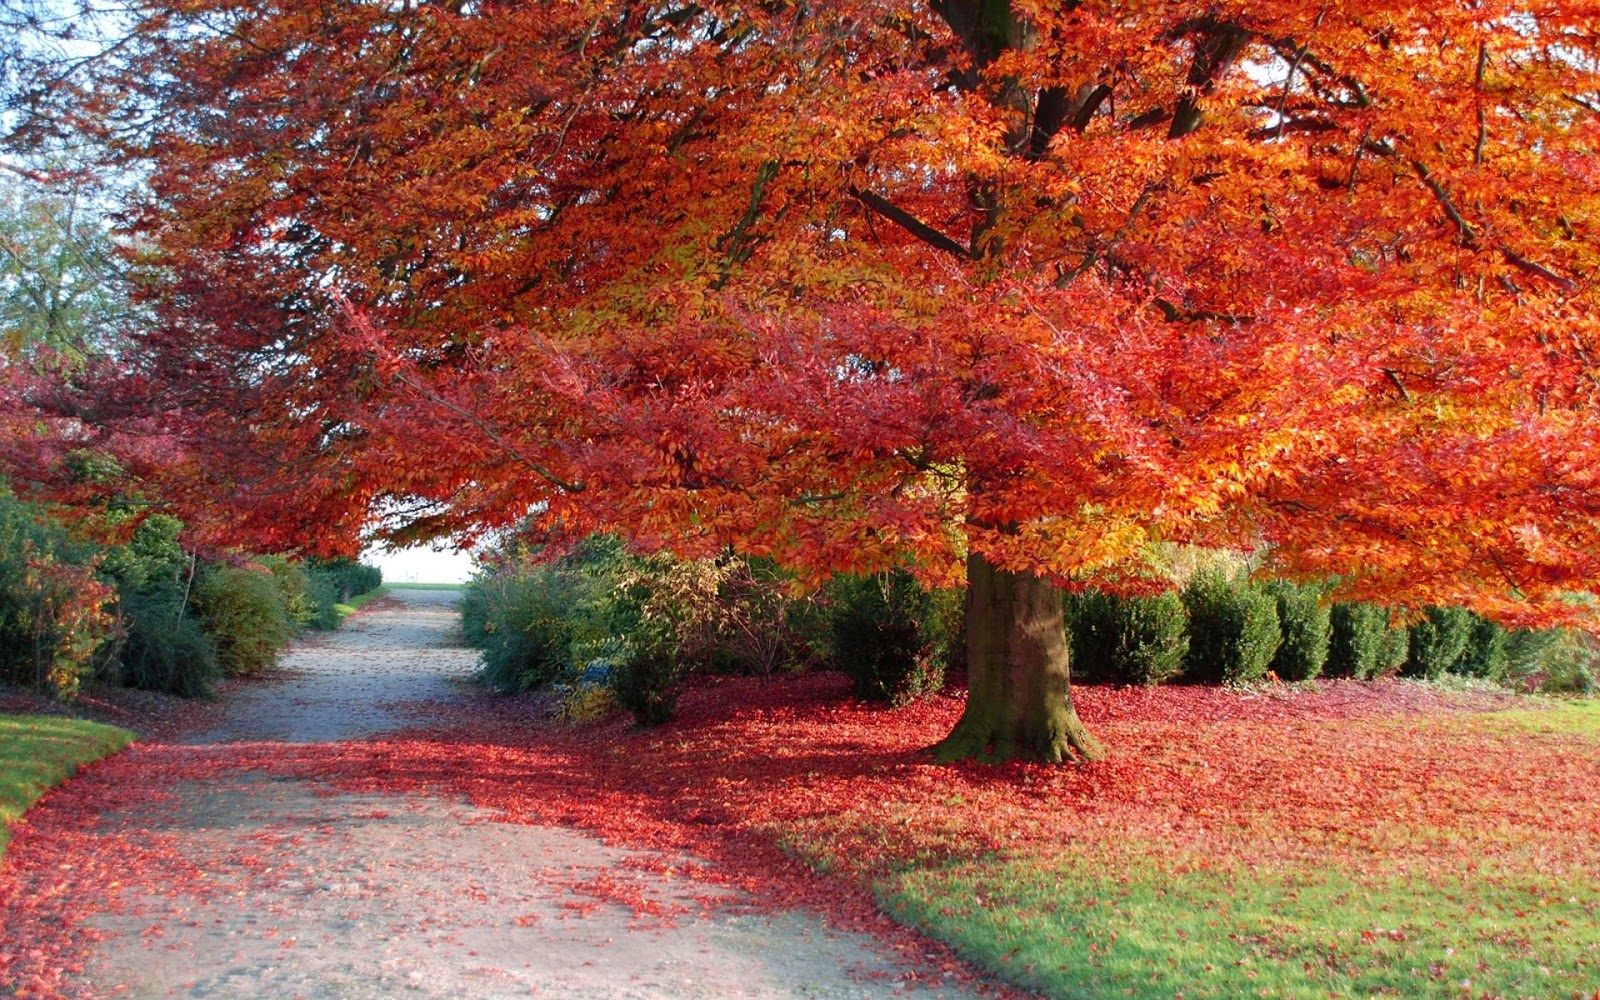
pixel 1003 290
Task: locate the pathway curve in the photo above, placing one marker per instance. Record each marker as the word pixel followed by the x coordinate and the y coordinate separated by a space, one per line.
pixel 298 889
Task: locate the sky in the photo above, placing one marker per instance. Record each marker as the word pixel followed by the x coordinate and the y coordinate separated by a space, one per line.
pixel 420 564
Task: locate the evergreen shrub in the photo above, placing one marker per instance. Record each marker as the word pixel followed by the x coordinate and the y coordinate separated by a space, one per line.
pixel 1487 652
pixel 1233 630
pixel 1361 642
pixel 1127 640
pixel 891 636
pixel 1307 625
pixel 1437 642
pixel 165 647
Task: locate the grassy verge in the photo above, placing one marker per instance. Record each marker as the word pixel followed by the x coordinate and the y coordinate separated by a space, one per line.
pixel 356 603
pixel 38 752
pixel 1069 931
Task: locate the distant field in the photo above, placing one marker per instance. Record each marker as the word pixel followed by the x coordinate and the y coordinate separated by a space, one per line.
pixel 423 586
pixel 38 752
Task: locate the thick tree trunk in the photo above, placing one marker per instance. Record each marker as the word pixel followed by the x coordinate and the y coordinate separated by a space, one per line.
pixel 1019 699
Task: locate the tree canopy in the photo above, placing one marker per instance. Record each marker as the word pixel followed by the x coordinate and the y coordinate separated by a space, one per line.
pixel 848 282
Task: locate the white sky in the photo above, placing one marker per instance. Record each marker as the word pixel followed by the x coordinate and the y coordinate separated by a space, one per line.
pixel 420 564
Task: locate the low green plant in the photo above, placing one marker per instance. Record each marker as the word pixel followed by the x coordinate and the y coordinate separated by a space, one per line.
pixel 892 636
pixel 1233 630
pixel 1362 642
pixel 245 614
pixel 1127 640
pixel 1307 624
pixel 1437 642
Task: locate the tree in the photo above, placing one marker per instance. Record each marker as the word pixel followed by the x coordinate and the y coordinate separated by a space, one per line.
pixel 1000 289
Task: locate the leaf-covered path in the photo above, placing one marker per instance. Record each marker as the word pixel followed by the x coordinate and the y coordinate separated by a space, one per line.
pixel 246 860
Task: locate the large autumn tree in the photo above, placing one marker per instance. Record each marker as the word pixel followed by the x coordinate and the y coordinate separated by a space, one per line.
pixel 1007 290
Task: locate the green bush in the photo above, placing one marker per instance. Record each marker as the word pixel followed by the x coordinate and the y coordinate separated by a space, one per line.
pixel 1233 630
pixel 1127 640
pixel 349 578
pixel 165 647
pixel 1307 624
pixel 324 594
pixel 527 618
pixel 892 636
pixel 648 680
pixel 1362 644
pixel 244 613
pixel 1437 642
pixel 1487 652
pixel 299 592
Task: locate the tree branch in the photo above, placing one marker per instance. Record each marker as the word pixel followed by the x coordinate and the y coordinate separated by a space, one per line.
pixel 910 223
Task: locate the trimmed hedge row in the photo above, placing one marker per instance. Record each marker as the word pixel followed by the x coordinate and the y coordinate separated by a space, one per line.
pixel 604 627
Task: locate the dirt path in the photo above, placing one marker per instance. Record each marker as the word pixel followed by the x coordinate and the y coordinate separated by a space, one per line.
pixel 280 885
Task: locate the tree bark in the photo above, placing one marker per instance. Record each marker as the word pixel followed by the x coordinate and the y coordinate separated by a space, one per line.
pixel 1019 696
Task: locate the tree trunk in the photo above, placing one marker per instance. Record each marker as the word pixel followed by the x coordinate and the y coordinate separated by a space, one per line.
pixel 1019 699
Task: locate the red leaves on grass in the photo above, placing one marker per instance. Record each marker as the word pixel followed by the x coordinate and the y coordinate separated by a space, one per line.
pixel 1380 777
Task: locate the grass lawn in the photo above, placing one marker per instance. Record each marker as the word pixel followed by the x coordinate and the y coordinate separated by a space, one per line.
pixel 38 752
pixel 1442 898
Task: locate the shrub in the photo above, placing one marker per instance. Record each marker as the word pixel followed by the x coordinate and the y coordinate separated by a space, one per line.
pixel 349 578
pixel 298 592
pixel 1554 661
pixel 1233 630
pixel 527 618
pixel 324 594
pixel 54 616
pixel 1487 652
pixel 244 613
pixel 165 648
pixel 647 681
pixel 1437 642
pixel 732 614
pixel 1127 640
pixel 1307 624
pixel 1362 644
pixel 1393 652
pixel 892 636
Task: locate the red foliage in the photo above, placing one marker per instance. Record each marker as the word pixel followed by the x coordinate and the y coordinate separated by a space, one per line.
pixel 1373 777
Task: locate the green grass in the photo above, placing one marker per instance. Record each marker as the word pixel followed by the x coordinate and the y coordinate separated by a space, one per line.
pixel 1070 932
pixel 1571 718
pixel 356 603
pixel 424 586
pixel 38 752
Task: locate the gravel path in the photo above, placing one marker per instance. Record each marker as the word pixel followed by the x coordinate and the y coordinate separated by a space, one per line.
pixel 303 890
